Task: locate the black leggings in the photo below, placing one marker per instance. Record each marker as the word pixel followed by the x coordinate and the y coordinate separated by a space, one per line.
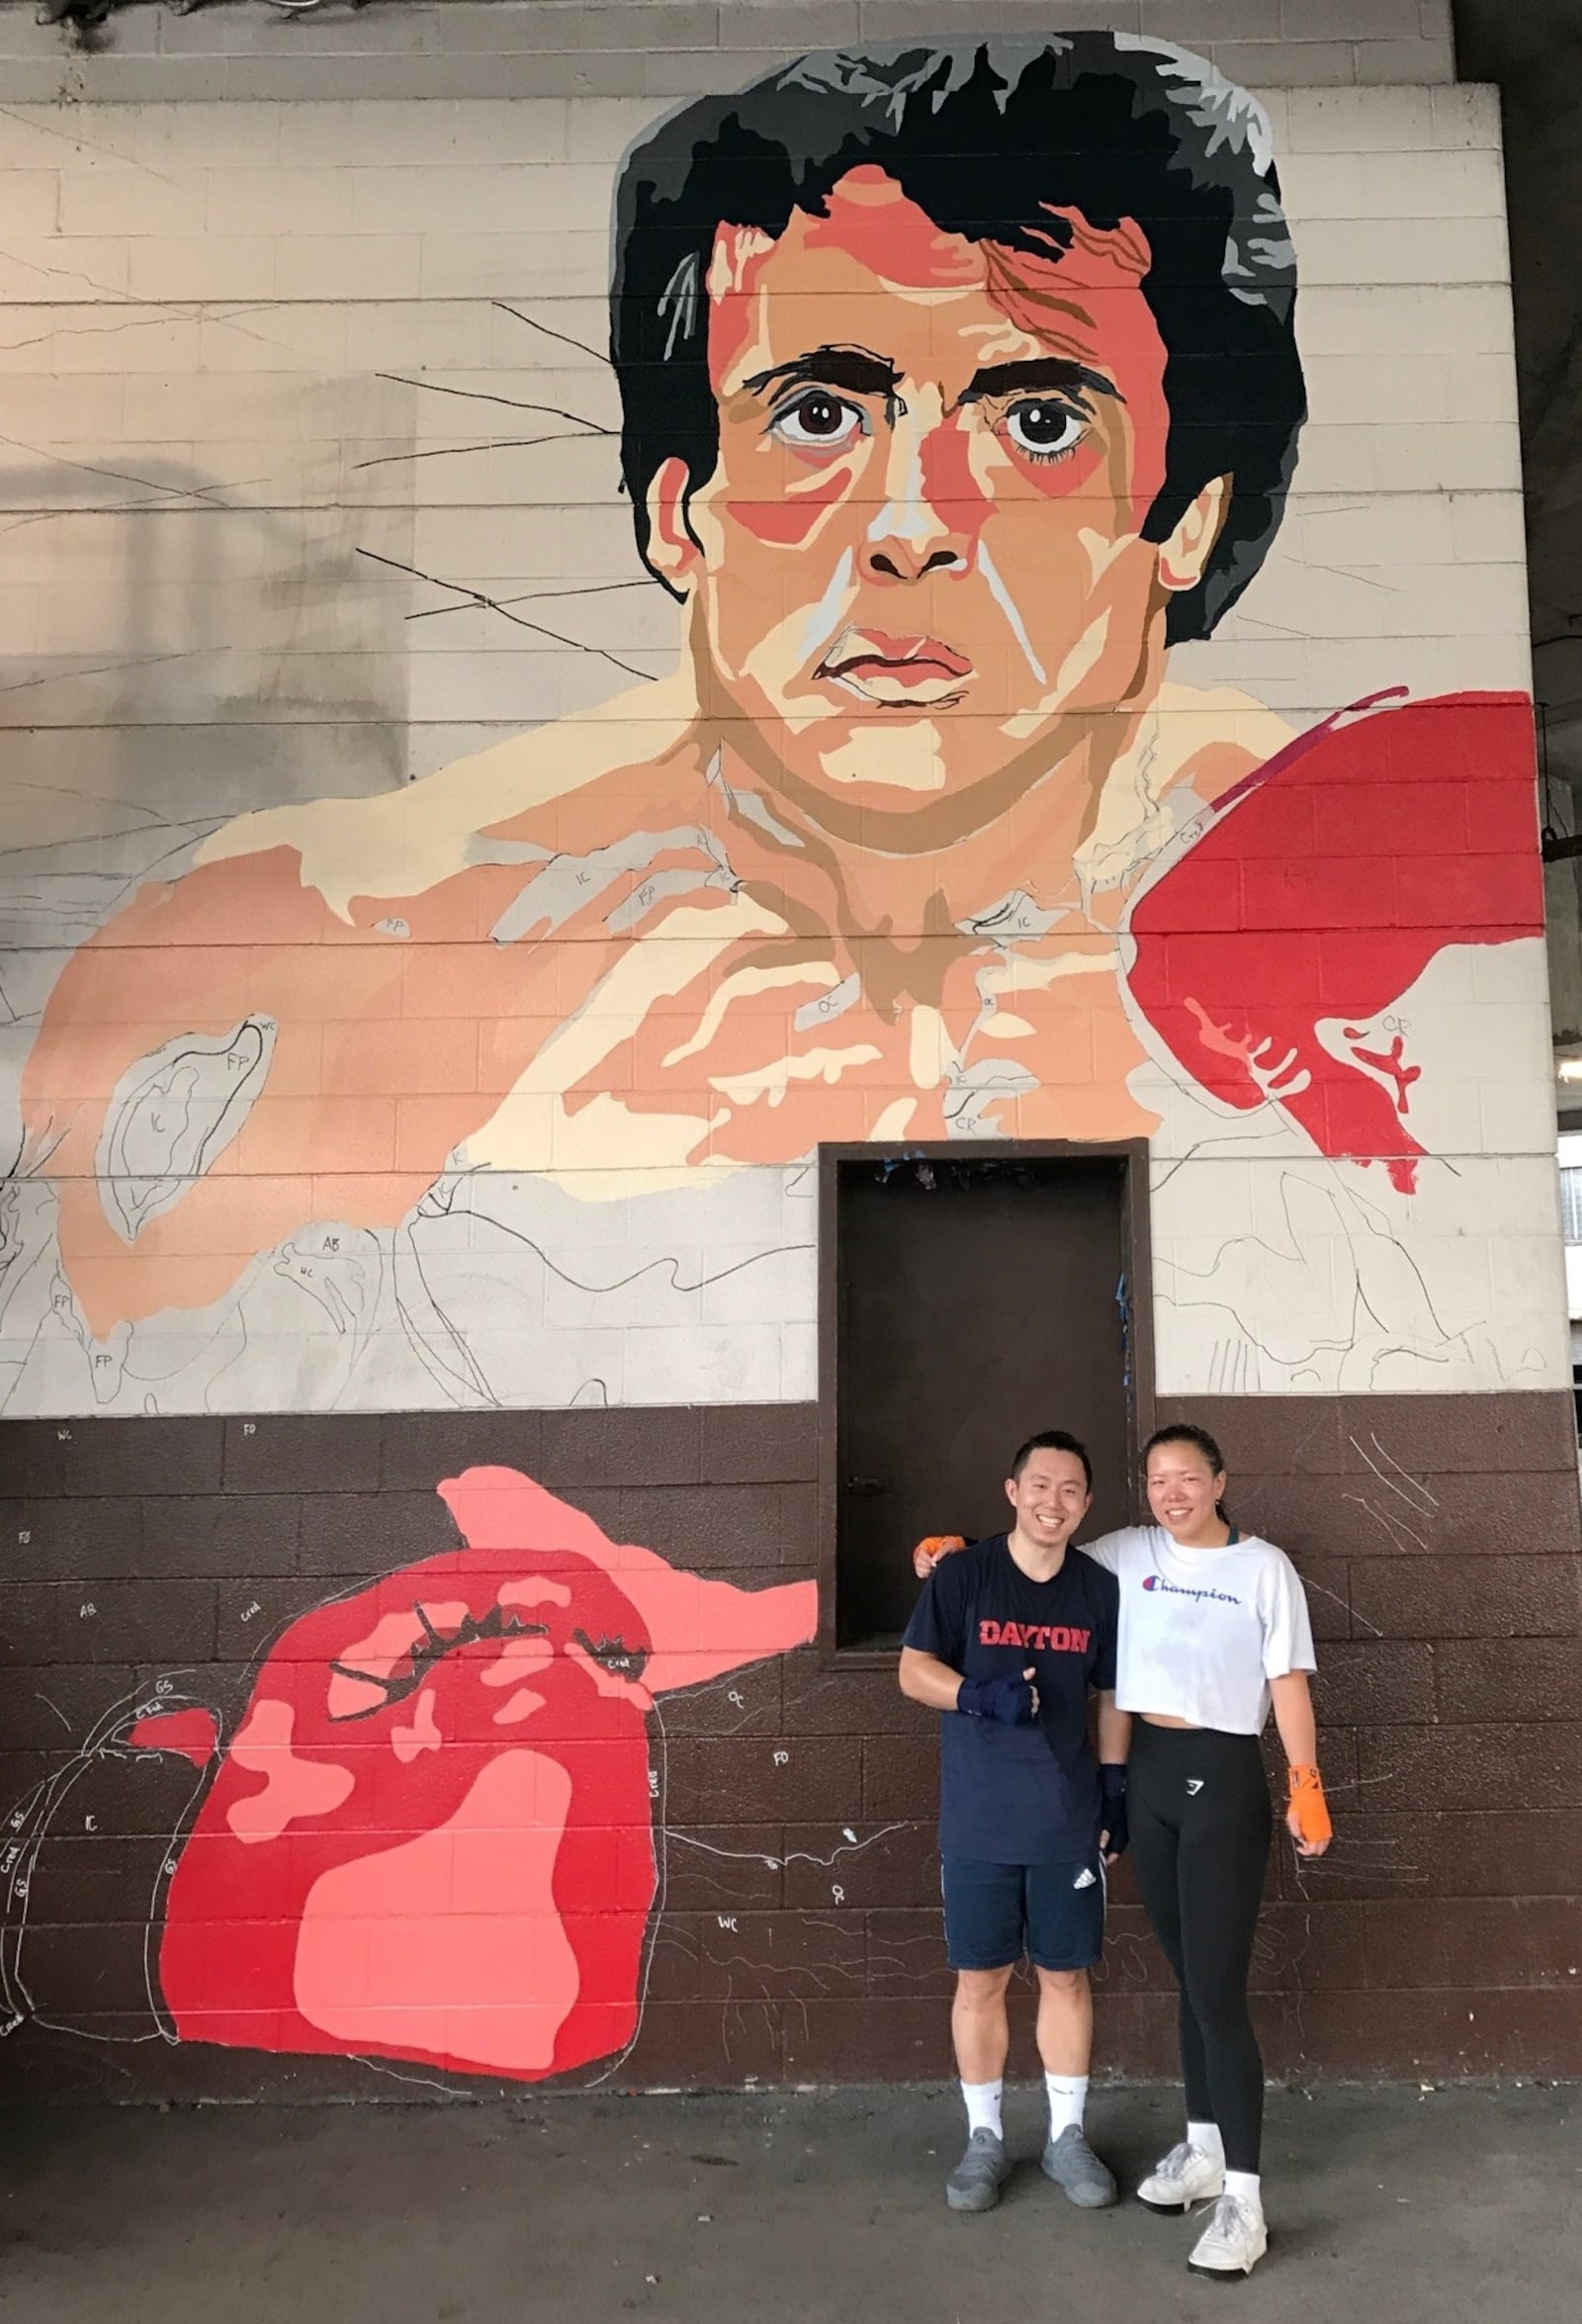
pixel 1200 1819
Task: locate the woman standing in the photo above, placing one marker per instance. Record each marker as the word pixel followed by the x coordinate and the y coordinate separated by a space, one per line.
pixel 1215 1633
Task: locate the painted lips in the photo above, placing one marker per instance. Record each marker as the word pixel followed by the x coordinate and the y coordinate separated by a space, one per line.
pixel 887 670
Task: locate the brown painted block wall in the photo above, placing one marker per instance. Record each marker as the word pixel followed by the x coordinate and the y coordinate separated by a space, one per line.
pixel 797 1934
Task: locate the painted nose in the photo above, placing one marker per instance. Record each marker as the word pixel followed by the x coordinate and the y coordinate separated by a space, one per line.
pixel 911 536
pixel 896 562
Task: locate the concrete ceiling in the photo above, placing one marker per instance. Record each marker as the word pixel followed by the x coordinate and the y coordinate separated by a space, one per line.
pixel 1533 49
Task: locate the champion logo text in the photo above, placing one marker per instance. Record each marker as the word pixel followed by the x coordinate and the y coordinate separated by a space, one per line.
pixel 1174 1589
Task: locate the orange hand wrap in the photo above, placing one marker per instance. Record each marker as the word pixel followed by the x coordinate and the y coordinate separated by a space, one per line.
pixel 927 1554
pixel 1309 1806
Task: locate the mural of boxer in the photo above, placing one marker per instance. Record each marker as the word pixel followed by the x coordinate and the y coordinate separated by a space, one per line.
pixel 960 383
pixel 431 1834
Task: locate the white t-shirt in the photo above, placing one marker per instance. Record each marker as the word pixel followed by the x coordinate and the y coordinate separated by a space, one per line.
pixel 1202 1631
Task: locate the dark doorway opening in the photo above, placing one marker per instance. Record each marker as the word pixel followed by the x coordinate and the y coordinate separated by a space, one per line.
pixel 966 1302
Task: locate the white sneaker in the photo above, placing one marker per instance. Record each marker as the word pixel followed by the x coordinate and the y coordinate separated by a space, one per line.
pixel 1233 2241
pixel 1186 2176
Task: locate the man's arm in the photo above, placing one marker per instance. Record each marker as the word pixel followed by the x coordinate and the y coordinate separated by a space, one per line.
pixel 925 1680
pixel 1114 1732
pixel 1114 1745
pixel 1013 1702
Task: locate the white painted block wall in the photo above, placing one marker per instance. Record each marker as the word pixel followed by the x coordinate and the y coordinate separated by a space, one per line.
pixel 261 361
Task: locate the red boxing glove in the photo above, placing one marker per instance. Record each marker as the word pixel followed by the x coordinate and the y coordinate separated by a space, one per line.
pixel 432 1834
pixel 1227 971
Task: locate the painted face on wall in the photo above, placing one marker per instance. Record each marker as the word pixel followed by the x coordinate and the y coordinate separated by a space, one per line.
pixel 919 562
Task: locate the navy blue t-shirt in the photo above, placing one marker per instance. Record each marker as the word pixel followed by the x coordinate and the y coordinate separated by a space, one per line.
pixel 1019 1795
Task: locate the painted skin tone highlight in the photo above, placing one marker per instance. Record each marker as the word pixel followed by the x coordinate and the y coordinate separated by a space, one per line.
pixel 923 672
pixel 1051 1497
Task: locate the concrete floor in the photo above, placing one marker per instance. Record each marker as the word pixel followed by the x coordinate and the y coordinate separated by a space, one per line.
pixel 1388 2206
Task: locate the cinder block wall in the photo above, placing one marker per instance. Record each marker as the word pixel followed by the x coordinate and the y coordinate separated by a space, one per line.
pixel 663 48
pixel 275 293
pixel 798 1935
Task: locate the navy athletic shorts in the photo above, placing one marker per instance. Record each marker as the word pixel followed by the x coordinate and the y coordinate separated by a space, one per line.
pixel 995 1912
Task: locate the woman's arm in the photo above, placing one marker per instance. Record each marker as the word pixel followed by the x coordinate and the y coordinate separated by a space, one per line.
pixel 1293 1716
pixel 1307 1818
pixel 934 1545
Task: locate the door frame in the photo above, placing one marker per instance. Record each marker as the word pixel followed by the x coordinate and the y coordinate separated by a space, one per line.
pixel 1137 1256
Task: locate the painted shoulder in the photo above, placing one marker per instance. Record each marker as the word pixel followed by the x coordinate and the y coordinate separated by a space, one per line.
pixel 405 842
pixel 1402 784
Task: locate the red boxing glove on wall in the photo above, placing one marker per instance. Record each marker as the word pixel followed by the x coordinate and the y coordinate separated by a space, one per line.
pixel 431 1836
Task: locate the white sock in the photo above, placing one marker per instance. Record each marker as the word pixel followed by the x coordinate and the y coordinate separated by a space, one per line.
pixel 1205 2136
pixel 1245 2185
pixel 983 2107
pixel 1068 2095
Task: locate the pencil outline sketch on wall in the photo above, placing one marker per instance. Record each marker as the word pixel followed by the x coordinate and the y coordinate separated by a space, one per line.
pixel 506 1082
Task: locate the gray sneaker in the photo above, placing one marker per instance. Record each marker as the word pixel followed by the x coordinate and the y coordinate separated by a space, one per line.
pixel 975 2183
pixel 1072 2164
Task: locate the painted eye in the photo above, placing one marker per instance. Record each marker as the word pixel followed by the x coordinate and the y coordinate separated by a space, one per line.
pixel 820 422
pixel 1044 430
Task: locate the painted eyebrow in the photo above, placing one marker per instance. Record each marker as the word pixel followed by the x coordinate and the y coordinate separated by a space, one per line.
pixel 852 368
pixel 1045 375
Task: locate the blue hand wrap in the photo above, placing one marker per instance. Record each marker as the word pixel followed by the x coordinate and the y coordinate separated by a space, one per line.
pixel 1010 1700
pixel 1112 1807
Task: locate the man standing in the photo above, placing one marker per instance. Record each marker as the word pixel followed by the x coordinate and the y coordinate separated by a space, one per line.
pixel 1005 1642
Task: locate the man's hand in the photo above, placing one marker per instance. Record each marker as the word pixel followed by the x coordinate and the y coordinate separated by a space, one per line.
pixel 929 1552
pixel 1013 1701
pixel 1115 1834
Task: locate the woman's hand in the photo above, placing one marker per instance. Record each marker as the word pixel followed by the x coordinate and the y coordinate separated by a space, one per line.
pixel 929 1552
pixel 1307 1818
